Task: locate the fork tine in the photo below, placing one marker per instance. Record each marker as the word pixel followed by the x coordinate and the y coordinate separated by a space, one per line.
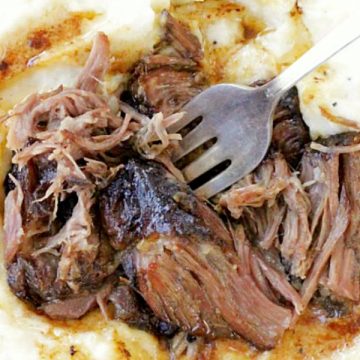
pixel 192 110
pixel 209 159
pixel 192 140
pixel 218 183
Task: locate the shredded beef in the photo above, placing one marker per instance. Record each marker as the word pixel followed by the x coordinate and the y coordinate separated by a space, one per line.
pixel 96 66
pixel 65 146
pixel 185 265
pixel 327 171
pixel 311 223
pixel 273 207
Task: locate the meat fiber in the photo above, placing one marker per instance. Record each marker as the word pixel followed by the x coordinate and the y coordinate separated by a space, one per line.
pixel 14 232
pixel 325 172
pixel 311 224
pixel 271 201
pixel 263 185
pixel 96 65
pixel 338 228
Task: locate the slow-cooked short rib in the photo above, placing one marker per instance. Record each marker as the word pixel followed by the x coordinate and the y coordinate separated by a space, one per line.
pixel 184 259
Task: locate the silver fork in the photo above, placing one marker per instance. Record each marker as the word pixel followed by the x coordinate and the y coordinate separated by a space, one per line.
pixel 240 118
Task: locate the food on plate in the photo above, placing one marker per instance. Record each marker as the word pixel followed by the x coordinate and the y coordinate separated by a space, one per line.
pixel 70 166
pixel 97 217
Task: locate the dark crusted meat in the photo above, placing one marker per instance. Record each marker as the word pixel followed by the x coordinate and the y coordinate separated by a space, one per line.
pixel 166 80
pixel 34 178
pixel 36 271
pixel 143 200
pixel 290 134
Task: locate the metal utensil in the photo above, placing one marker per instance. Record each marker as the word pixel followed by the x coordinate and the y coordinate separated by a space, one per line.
pixel 240 118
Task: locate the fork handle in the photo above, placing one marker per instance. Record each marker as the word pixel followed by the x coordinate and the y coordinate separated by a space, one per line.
pixel 343 35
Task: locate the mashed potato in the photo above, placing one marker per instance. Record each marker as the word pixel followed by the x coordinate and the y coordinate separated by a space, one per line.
pixel 331 95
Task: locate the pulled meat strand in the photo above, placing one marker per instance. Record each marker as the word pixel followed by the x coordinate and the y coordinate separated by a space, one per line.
pixel 155 143
pixel 47 110
pixel 257 188
pixel 336 234
pixel 155 131
pixel 344 272
pixel 298 208
pixel 13 230
pixel 262 271
pixel 96 65
pixel 335 149
pixel 263 199
pixel 101 143
pixel 275 218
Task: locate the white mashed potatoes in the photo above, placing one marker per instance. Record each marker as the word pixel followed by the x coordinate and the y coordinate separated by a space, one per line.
pixel 127 23
pixel 133 29
pixel 331 95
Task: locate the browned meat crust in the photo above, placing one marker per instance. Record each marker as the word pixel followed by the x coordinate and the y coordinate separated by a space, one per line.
pixel 169 78
pixel 154 202
pixel 290 132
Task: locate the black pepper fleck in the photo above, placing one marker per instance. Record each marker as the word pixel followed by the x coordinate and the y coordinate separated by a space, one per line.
pixel 72 350
pixel 334 104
